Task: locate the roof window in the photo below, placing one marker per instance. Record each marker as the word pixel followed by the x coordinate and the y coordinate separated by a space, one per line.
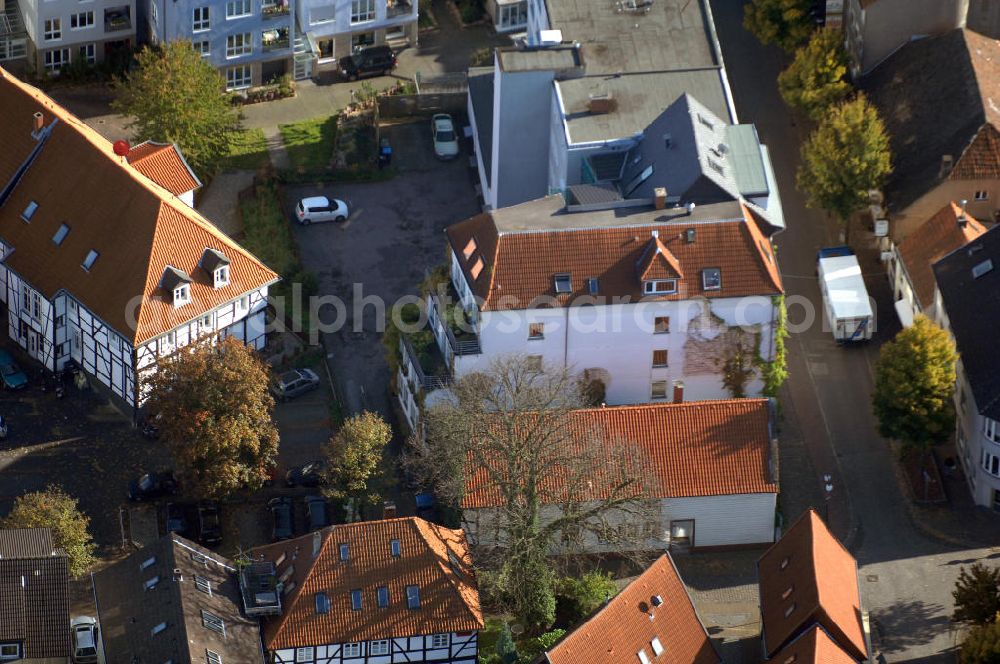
pixel 470 248
pixel 657 646
pixel 784 562
pixel 147 562
pixel 395 548
pixel 356 600
pixel 477 268
pixel 60 235
pixel 203 584
pixel 382 596
pixel 638 180
pixel 151 583
pixel 88 262
pixel 322 603
pixel 158 628
pixel 790 659
pixel 593 286
pixel 344 552
pixel 413 597
pixel 788 592
pixel 711 278
pixel 790 609
pixel 213 657
pixel 213 622
pixel 564 283
pixel 29 210
pixel 982 268
pixel 643 657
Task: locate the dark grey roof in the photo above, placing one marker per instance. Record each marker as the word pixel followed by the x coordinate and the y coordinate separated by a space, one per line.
pixel 129 611
pixel 173 277
pixel 973 308
pixel 213 259
pixel 549 58
pixel 746 160
pixel 34 593
pixel 481 93
pixel 592 194
pixel 928 95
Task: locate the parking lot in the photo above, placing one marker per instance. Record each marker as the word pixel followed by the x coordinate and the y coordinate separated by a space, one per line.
pixel 394 235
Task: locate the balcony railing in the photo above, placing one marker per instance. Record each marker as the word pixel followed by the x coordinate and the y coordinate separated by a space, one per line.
pixel 397 8
pixel 274 11
pixel 412 363
pixel 462 342
pixel 117 19
pixel 275 43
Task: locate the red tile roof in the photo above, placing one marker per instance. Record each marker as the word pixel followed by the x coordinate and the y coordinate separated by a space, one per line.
pixel 617 632
pixel 935 238
pixel 808 577
pixel 814 646
pixel 519 266
pixel 137 227
pixel 164 164
pixel 699 448
pixel 658 263
pixel 435 559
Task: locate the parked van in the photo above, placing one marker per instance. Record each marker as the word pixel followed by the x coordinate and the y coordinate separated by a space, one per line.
pixel 845 298
pixel 374 60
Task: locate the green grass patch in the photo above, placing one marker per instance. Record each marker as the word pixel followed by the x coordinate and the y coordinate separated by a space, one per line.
pixel 247 151
pixel 310 143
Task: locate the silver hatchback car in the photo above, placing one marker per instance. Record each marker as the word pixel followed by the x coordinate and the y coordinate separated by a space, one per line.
pixel 293 383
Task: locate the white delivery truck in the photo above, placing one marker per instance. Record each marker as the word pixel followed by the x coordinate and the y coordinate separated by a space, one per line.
pixel 846 303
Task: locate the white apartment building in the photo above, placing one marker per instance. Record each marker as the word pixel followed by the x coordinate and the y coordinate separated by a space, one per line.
pixel 336 28
pixel 64 31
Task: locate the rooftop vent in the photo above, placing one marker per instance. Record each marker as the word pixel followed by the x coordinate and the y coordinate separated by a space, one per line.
pixel 178 576
pixel 962 219
pixel 550 37
pixel 668 141
pixel 600 103
pixel 689 236
pixel 982 268
pixel 656 600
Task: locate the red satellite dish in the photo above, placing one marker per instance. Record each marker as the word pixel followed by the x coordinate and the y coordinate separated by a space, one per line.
pixel 121 148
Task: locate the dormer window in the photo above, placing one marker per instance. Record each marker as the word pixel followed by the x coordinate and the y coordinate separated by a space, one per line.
pixel 215 263
pixel 711 279
pixel 221 276
pixel 178 284
pixel 659 286
pixel 182 295
pixel 564 284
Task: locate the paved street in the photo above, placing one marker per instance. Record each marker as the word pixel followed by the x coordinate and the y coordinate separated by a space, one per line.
pixel 906 579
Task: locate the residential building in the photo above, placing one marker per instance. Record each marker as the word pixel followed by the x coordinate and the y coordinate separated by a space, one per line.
pixel 652 616
pixel 331 29
pixel 34 598
pixel 120 281
pixel 711 476
pixel 508 15
pixel 632 298
pixel 967 304
pixel 934 96
pixel 589 70
pixel 249 41
pixel 174 601
pixel 911 274
pixel 63 31
pixel 810 598
pixel 164 164
pixel 13 38
pixel 375 591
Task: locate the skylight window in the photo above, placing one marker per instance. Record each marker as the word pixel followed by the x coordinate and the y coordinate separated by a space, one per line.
pixel 711 278
pixel 147 562
pixel 29 210
pixel 657 646
pixel 983 268
pixel 151 583
pixel 638 180
pixel 344 552
pixel 643 657
pixel 592 286
pixel 413 597
pixel 784 562
pixel 60 235
pixel 356 600
pixel 213 622
pixel 477 268
pixel 564 284
pixel 213 657
pixel 158 628
pixel 88 262
pixel 395 548
pixel 322 603
pixel 382 595
pixel 790 609
pixel 203 584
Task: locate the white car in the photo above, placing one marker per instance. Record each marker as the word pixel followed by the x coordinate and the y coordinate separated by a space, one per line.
pixel 84 633
pixel 320 208
pixel 445 140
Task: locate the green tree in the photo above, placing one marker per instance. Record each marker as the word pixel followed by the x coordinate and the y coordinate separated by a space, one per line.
pixel 354 455
pixel 775 372
pixel 215 417
pixel 176 96
pixel 914 380
pixel 582 596
pixel 846 156
pixel 817 77
pixel 506 650
pixel 977 594
pixel 982 645
pixel 53 508
pixel 785 23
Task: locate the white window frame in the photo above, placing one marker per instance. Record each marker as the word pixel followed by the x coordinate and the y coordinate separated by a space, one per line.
pixel 991 464
pixel 53 67
pixel 238 9
pixel 212 657
pixel 201 19
pixel 9 657
pixel 439 640
pixel 239 45
pixel 654 391
pixel 362 11
pixel 243 304
pixel 240 82
pixel 182 295
pixel 981 195
pixel 304 654
pixel 81 25
pixel 659 287
pixel 991 429
pixel 378 647
pixel 52 29
pixel 89 53
pixel 704 283
pixel 203 48
pixel 221 276
pixel 213 622
pixel 350 650
pixel 203 584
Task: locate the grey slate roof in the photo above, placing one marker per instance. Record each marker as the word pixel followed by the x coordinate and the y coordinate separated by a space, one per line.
pixel 745 159
pixel 973 308
pixel 34 593
pixel 129 611
pixel 551 58
pixel 933 103
pixel 481 93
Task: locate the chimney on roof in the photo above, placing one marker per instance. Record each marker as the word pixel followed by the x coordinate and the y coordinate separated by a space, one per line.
pixel 678 391
pixel 660 198
pixel 37 123
pixel 946 162
pixel 690 207
pixel 962 219
pixel 689 236
pixel 600 103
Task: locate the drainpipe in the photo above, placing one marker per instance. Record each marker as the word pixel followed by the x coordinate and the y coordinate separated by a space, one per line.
pixel 566 339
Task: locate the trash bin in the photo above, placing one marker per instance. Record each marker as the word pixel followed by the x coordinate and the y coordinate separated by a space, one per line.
pixel 384 153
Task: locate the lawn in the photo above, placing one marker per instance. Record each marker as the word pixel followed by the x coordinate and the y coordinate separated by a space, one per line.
pixel 310 143
pixel 248 151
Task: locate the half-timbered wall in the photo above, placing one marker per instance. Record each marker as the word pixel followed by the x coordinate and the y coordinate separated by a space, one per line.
pixel 30 318
pixel 453 648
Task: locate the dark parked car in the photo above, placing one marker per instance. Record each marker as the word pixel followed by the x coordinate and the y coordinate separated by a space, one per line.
pixel 293 383
pixel 13 377
pixel 316 513
pixel 152 485
pixel 209 527
pixel 378 60
pixel 176 519
pixel 309 475
pixel 283 518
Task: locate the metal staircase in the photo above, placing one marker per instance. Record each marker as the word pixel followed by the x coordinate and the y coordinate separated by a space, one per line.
pixel 13 36
pixel 302 58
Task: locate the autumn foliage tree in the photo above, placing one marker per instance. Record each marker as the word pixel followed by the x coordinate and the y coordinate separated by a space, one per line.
pixel 784 23
pixel 176 96
pixel 914 380
pixel 817 77
pixel 845 157
pixel 354 456
pixel 977 594
pixel 215 417
pixel 55 509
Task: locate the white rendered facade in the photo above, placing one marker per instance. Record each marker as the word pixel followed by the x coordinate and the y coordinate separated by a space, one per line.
pixel 446 648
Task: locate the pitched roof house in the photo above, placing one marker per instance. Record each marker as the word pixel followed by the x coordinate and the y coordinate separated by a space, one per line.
pixel 710 466
pixel 967 304
pixel 164 164
pixel 910 270
pixel 94 282
pixel 174 601
pixel 651 620
pixel 34 597
pixel 807 579
pixel 400 587
pixel 934 96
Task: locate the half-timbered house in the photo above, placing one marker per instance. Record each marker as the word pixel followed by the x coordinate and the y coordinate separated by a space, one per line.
pixel 102 265
pixel 395 590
